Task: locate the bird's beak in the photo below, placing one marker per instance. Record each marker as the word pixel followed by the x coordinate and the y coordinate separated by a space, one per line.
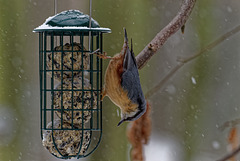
pixel 125 36
pixel 121 121
pixel 125 44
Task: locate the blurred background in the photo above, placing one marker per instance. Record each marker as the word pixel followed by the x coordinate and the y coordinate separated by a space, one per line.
pixel 186 112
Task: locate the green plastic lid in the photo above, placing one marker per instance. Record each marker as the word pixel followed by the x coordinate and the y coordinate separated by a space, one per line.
pixel 71 20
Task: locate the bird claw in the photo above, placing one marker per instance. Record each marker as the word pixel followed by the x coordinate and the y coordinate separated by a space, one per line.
pixel 103 94
pixel 103 55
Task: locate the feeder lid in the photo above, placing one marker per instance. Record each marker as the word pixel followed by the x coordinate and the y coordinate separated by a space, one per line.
pixel 71 20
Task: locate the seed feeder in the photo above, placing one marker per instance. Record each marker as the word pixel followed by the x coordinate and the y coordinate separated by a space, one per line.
pixel 70 84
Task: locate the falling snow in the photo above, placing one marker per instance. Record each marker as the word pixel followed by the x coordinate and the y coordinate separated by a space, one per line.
pixel 216 145
pixel 193 80
pixel 171 89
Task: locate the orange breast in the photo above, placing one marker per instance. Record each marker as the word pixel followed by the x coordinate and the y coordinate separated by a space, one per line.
pixel 113 86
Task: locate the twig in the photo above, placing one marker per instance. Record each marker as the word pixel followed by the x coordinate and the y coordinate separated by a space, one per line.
pixel 163 81
pixel 184 61
pixel 178 21
pixel 213 44
pixel 230 123
pixel 225 158
pixel 237 150
pixel 233 141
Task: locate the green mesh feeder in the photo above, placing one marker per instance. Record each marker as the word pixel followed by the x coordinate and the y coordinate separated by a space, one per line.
pixel 70 84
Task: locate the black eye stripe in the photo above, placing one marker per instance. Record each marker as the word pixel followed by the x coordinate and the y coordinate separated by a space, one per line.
pixel 134 117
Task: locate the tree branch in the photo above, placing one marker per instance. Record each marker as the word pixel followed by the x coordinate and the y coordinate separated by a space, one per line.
pixel 179 20
pixel 225 158
pixel 163 81
pixel 182 61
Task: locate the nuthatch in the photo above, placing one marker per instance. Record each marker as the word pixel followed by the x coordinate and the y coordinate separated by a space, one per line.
pixel 122 84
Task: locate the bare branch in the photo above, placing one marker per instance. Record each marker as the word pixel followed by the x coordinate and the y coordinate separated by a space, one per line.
pixel 230 123
pixel 225 158
pixel 213 44
pixel 158 41
pixel 186 60
pixel 163 81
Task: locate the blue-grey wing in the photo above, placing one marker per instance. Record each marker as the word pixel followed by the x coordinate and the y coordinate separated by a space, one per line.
pixel 130 78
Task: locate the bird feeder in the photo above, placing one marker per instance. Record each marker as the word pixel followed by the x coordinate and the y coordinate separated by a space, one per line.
pixel 70 84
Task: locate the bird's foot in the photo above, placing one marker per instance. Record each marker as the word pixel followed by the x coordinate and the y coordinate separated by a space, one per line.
pixel 103 94
pixel 103 55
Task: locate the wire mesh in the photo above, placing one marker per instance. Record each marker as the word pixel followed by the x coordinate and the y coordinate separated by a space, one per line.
pixel 70 86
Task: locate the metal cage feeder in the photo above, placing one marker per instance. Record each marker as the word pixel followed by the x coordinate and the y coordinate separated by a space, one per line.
pixel 70 84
